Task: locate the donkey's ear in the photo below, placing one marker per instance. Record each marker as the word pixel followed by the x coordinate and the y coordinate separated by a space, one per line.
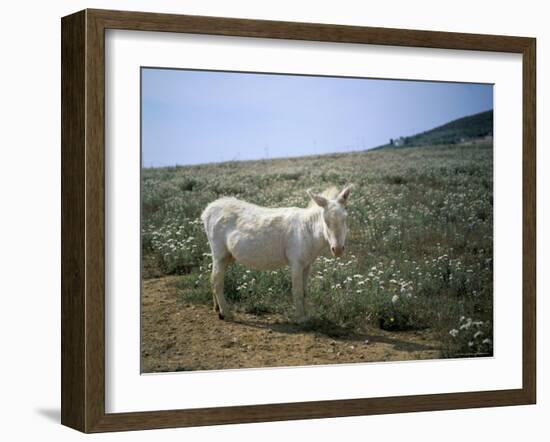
pixel 320 200
pixel 343 196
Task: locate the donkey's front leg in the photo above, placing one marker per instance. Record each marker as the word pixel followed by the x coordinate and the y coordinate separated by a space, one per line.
pixel 298 292
pixel 306 279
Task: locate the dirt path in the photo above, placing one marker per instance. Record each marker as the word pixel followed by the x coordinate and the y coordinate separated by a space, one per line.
pixel 177 336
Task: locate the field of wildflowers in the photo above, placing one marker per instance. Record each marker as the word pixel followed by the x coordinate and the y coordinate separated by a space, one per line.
pixel 419 253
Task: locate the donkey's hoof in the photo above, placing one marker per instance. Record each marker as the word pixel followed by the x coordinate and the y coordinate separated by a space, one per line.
pixel 226 316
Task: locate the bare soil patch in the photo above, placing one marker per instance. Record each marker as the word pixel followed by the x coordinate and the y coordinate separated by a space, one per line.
pixel 178 336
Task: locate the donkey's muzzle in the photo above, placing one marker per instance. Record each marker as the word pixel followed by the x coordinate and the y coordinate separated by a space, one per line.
pixel 337 250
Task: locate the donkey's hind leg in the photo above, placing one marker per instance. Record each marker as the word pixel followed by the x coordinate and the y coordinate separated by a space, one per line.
pixel 219 266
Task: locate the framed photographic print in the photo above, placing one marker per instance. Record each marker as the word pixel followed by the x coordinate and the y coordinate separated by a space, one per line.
pixel 270 220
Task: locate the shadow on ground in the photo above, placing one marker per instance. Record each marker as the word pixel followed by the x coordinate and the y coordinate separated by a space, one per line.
pixel 400 345
pixel 316 327
pixel 337 332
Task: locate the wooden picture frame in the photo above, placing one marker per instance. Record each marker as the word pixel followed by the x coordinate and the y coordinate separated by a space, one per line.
pixel 83 220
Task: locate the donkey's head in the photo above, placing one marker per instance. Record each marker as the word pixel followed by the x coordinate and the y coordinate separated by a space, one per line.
pixel 333 205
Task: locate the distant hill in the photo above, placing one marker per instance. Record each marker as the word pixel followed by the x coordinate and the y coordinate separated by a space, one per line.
pixel 456 131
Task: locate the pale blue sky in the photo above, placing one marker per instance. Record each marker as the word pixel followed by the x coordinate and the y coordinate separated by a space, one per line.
pixel 194 117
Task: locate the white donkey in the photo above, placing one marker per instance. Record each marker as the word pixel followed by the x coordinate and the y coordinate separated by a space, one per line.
pixel 264 238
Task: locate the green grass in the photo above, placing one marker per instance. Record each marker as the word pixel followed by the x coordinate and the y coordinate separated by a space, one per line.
pixel 419 252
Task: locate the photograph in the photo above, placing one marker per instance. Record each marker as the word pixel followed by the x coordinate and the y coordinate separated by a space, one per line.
pixel 298 220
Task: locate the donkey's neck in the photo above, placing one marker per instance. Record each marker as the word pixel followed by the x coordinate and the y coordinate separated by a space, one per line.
pixel 315 228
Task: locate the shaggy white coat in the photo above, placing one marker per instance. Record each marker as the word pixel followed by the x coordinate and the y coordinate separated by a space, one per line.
pixel 265 238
